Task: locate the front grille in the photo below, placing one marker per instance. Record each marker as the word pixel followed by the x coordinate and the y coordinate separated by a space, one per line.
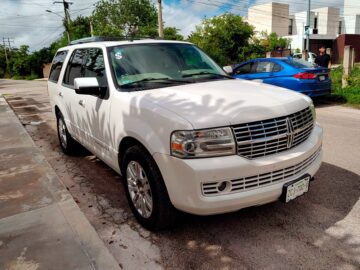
pixel 262 138
pixel 257 181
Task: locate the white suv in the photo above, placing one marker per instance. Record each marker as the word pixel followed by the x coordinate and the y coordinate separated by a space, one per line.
pixel 182 133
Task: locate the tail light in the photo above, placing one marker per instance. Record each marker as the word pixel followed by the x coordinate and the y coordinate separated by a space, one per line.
pixel 305 76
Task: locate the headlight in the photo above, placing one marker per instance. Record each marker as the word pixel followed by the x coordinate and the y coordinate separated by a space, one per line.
pixel 202 143
pixel 312 107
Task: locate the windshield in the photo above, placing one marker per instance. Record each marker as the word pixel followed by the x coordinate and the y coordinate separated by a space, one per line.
pixel 298 63
pixel 154 65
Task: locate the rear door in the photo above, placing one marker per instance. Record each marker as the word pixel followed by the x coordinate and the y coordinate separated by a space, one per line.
pixel 266 71
pixel 70 107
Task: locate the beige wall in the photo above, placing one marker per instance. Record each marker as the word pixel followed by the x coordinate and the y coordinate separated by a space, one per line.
pixel 46 70
pixel 280 19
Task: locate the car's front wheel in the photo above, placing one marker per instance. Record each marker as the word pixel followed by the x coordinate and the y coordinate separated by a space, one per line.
pixel 146 191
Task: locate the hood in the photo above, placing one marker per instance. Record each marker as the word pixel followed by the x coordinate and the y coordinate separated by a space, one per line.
pixel 226 102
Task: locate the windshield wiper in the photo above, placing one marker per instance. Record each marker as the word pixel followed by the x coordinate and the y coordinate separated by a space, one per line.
pixel 161 80
pixel 207 73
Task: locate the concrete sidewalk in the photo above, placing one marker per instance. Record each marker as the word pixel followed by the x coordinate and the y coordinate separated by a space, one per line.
pixel 41 226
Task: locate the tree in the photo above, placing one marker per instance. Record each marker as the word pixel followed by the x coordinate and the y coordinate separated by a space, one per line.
pixel 125 18
pixel 80 28
pixel 223 37
pixel 20 62
pixel 172 33
pixel 272 41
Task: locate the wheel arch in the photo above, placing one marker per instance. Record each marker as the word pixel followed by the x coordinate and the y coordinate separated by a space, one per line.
pixel 126 143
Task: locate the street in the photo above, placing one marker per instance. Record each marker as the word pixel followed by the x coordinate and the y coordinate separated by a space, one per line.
pixel 320 230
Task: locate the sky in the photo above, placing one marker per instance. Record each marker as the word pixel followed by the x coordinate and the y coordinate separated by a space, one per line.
pixel 27 22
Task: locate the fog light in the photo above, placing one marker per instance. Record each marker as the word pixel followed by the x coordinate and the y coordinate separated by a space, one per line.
pixel 223 186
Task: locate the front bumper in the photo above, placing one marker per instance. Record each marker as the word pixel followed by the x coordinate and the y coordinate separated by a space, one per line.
pixel 184 177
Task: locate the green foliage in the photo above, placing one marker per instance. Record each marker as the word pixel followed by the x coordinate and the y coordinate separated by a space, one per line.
pixel 225 38
pixel 125 18
pixel 20 62
pixel 272 41
pixel 351 93
pixel 172 33
pixel 79 28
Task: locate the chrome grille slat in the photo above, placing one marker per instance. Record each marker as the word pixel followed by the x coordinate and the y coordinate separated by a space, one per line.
pixel 271 136
pixel 257 181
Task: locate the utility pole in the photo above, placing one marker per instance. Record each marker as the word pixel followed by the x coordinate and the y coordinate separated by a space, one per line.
pixel 160 19
pixel 9 41
pixel 307 47
pixel 67 16
pixel 91 28
pixel 6 57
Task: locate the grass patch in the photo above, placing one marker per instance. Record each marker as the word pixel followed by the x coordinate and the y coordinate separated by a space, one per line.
pixel 350 94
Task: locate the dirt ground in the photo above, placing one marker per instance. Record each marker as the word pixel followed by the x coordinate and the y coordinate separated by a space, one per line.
pixel 320 230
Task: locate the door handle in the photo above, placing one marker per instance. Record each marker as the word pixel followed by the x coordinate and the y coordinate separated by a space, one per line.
pixel 81 103
pixel 60 94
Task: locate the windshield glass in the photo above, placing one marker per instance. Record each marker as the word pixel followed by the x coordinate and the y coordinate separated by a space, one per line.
pixel 153 65
pixel 298 63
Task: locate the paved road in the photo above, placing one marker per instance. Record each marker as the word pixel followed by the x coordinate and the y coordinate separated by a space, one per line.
pixel 320 230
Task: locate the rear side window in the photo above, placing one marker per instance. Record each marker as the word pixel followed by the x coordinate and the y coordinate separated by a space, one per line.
pixel 75 66
pixel 267 67
pixel 56 66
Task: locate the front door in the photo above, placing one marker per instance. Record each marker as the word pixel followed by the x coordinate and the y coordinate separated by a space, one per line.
pixel 93 117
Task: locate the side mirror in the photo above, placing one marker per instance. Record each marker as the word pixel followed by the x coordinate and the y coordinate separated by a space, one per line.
pixel 87 86
pixel 228 69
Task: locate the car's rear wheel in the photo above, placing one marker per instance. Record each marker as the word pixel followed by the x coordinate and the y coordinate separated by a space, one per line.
pixel 67 143
pixel 146 191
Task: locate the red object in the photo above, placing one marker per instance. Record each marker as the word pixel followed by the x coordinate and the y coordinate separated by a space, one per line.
pixel 305 75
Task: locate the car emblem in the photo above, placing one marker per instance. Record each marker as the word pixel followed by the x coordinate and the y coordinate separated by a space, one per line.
pixel 289 133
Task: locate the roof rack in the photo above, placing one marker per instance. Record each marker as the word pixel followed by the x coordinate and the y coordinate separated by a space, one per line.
pixel 99 38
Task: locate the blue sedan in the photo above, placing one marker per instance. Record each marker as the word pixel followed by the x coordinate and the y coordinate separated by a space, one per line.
pixel 294 74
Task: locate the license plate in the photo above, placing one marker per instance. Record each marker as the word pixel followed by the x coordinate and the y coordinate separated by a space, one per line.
pixel 322 78
pixel 295 189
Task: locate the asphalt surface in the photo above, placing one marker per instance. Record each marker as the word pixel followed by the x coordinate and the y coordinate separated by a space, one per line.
pixel 320 230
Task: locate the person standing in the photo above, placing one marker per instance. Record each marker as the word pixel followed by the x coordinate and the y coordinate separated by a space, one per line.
pixel 323 59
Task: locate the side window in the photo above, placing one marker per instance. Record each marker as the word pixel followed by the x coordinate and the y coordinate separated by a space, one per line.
pixel 264 67
pixel 95 65
pixel 56 66
pixel 74 68
pixel 276 67
pixel 245 69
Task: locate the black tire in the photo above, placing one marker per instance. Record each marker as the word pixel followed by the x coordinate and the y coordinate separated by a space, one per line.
pixel 163 214
pixel 71 146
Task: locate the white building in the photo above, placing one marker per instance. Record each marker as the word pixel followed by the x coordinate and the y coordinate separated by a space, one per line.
pixel 325 23
pixel 352 16
pixel 270 17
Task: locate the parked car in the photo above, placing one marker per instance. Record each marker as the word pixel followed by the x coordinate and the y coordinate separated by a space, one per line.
pixel 311 57
pixel 287 72
pixel 183 134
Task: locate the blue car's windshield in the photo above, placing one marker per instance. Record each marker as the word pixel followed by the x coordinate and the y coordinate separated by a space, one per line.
pixel 154 65
pixel 298 63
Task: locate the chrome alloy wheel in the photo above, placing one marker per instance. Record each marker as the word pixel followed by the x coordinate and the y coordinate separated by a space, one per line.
pixel 62 132
pixel 139 189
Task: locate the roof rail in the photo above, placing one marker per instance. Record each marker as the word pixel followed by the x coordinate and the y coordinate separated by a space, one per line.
pixel 100 38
